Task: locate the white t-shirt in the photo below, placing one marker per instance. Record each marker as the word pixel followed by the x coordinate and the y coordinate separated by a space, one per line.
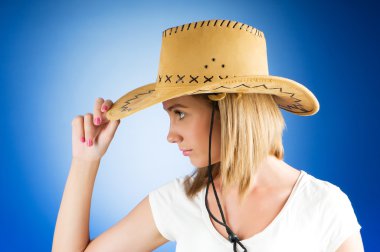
pixel 317 216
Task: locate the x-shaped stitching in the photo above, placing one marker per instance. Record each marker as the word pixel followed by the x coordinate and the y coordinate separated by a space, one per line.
pixel 180 78
pixel 168 78
pixel 159 78
pixel 194 79
pixel 208 79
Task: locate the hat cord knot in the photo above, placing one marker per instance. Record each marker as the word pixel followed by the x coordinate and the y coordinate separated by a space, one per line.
pixel 221 96
pixel 217 97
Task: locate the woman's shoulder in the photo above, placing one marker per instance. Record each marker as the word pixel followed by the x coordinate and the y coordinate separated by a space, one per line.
pixel 171 196
pixel 176 184
pixel 323 192
pixel 318 184
pixel 332 211
pixel 172 189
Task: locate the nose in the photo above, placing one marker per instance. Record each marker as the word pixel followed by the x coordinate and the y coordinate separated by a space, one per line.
pixel 173 137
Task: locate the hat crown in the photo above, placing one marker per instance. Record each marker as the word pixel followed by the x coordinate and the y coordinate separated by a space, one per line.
pixel 209 51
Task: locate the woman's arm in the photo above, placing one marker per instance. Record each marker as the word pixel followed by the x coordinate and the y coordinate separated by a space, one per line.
pixel 135 232
pixel 352 244
pixel 91 136
pixel 72 226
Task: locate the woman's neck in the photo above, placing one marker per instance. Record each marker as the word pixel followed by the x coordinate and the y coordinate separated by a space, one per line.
pixel 273 173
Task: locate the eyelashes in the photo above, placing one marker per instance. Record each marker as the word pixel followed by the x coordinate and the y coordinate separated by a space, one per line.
pixel 177 112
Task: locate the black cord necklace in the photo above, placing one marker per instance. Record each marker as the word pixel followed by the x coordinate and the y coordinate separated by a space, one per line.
pixel 232 237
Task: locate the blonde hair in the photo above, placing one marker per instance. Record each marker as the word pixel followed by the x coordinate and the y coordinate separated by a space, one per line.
pixel 251 129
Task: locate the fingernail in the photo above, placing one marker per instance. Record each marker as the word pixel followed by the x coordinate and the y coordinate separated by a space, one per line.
pixel 89 143
pixel 97 120
pixel 104 108
pixel 82 140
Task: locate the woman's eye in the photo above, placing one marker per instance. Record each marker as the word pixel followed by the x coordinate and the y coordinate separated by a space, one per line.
pixel 179 113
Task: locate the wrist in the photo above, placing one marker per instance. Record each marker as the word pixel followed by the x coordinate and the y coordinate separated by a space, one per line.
pixel 84 162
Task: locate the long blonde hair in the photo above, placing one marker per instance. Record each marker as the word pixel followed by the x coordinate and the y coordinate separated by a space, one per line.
pixel 251 129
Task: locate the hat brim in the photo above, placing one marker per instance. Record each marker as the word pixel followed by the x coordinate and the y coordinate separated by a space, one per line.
pixel 288 94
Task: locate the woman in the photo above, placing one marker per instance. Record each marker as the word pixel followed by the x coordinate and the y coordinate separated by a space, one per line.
pixel 224 115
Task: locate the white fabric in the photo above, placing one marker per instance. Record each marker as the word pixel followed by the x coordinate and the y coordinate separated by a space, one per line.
pixel 317 216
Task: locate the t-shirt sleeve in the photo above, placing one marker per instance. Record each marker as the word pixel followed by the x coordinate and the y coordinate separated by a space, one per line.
pixel 162 202
pixel 341 221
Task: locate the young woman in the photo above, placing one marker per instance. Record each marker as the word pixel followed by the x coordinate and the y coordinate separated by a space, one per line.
pixel 224 115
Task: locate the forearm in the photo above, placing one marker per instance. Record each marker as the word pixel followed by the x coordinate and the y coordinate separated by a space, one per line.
pixel 72 226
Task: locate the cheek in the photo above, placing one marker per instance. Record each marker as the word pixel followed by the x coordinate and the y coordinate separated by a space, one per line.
pixel 199 138
pixel 198 135
pixel 201 132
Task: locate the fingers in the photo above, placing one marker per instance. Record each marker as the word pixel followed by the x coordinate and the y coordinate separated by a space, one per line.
pixel 97 113
pixel 112 125
pixel 89 129
pixel 100 108
pixel 84 129
pixel 107 105
pixel 78 131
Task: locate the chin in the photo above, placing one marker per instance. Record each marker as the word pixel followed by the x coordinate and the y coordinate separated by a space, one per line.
pixel 199 165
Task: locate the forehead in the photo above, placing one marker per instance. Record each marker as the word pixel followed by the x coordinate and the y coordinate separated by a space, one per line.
pixel 187 101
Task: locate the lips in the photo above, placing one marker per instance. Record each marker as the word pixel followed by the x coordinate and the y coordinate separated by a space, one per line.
pixel 186 152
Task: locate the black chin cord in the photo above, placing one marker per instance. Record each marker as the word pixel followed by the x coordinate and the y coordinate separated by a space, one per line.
pixel 232 237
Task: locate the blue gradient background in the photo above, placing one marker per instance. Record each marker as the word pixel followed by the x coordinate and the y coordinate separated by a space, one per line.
pixel 56 58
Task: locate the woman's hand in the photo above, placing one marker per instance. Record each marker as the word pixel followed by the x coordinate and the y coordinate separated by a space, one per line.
pixel 92 134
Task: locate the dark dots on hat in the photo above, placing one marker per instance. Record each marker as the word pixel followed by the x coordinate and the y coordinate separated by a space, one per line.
pixel 213 59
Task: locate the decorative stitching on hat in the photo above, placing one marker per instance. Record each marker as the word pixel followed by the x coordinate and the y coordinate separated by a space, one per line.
pixel 289 107
pixel 168 78
pixel 125 106
pixel 208 79
pixel 180 78
pixel 194 79
pixel 258 33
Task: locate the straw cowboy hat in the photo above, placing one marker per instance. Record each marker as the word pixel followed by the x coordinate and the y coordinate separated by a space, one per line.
pixel 215 57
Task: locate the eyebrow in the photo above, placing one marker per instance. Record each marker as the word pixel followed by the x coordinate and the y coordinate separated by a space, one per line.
pixel 174 106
